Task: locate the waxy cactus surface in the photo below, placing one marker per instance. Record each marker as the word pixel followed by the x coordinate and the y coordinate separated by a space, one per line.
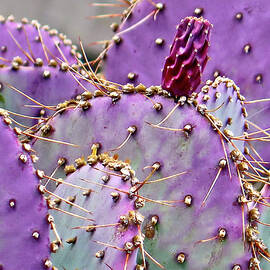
pixel 238 48
pixel 24 230
pixel 140 168
pixel 104 239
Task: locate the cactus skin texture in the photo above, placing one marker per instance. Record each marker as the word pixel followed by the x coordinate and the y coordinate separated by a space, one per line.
pixel 184 228
pixel 188 56
pixel 32 63
pixel 24 230
pixel 101 128
pixel 198 182
pixel 33 81
pixel 30 42
pixel 236 44
pixel 192 133
pixel 107 207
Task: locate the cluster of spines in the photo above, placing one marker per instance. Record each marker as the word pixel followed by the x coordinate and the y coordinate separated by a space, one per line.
pixel 124 224
pixel 57 39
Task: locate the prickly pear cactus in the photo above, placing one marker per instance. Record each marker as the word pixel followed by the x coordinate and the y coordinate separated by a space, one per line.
pixel 203 129
pixel 140 125
pixel 24 230
pixel 231 21
pixel 198 199
pixel 32 44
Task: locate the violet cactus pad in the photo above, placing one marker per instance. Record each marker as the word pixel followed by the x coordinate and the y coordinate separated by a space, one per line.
pixel 39 68
pixel 30 43
pixel 24 230
pixel 199 197
pixel 199 134
pixel 46 85
pixel 90 126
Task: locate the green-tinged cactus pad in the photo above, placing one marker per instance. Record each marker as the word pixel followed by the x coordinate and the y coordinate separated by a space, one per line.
pixel 108 241
pixel 149 143
pixel 259 215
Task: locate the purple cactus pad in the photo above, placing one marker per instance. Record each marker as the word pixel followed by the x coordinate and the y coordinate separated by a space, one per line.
pixel 24 230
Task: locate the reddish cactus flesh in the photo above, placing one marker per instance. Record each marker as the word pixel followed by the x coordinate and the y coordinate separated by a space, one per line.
pixel 183 69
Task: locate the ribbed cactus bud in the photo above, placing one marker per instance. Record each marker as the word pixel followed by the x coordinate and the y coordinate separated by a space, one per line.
pixel 188 56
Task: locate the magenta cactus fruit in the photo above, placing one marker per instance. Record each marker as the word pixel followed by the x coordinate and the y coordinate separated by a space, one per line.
pixel 188 56
pixel 106 236
pixel 24 230
pixel 231 21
